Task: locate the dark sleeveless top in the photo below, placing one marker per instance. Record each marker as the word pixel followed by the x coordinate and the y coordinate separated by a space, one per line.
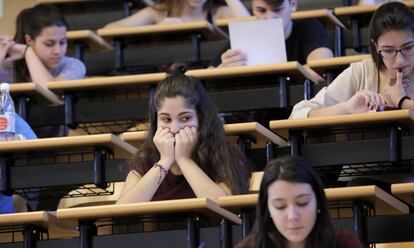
pixel 173 187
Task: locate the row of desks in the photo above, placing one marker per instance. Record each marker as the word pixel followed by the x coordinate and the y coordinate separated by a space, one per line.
pixel 226 210
pixel 292 68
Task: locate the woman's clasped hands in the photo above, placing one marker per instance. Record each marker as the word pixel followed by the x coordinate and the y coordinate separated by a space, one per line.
pixel 175 147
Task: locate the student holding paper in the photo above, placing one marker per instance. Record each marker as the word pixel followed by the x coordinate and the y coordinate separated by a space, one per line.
pixel 305 39
pixel 385 80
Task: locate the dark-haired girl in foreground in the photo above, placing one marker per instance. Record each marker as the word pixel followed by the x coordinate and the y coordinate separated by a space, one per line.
pixel 186 153
pixel 292 210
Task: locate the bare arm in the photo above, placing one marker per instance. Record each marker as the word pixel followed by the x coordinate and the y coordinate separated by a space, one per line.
pixel 320 53
pixel 235 8
pixel 362 101
pixel 200 182
pixel 146 16
pixel 38 71
pixel 141 189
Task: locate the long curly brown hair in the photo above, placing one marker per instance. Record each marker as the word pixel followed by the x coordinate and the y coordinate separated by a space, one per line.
pixel 175 6
pixel 219 159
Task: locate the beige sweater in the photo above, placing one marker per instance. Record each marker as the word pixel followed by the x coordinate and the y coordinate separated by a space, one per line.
pixel 358 76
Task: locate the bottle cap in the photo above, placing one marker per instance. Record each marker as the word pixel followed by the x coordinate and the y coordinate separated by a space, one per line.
pixel 4 86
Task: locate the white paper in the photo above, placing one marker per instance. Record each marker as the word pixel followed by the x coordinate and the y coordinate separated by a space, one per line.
pixel 263 41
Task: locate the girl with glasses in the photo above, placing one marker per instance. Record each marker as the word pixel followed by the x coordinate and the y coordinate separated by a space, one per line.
pixel 384 81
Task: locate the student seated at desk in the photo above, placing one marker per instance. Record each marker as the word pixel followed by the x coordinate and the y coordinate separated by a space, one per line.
pixel 37 51
pixel 305 39
pixel 386 80
pixel 185 154
pixel 292 210
pixel 177 11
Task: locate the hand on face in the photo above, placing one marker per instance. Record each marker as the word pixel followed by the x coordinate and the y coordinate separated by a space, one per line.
pixel 364 101
pixel 164 141
pixel 233 57
pixel 394 90
pixel 185 141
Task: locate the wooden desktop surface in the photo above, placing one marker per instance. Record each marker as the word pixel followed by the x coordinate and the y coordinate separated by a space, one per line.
pixel 102 82
pixel 327 14
pixel 67 142
pixel 404 191
pixel 36 91
pixel 39 218
pixel 203 206
pixel 282 127
pixel 291 67
pixel 361 9
pixel 370 193
pixel 64 1
pixel 336 61
pixel 253 129
pixel 94 41
pixel 208 30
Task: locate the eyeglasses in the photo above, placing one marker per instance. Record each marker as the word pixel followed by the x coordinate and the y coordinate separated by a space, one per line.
pixel 389 53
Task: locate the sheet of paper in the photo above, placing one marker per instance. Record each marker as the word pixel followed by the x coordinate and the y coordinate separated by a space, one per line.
pixel 262 41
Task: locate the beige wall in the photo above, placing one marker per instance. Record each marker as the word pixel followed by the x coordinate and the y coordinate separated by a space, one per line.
pixel 10 10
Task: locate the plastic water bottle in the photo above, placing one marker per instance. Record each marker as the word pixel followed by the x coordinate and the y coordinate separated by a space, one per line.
pixel 7 115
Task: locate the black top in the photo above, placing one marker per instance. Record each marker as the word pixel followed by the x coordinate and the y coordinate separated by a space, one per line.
pixel 306 36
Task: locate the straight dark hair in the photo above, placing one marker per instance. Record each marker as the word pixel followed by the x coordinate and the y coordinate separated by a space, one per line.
pixel 220 160
pixel 296 170
pixel 389 16
pixel 30 22
pixel 275 3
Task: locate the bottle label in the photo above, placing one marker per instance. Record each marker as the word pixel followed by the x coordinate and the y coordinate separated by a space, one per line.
pixel 8 123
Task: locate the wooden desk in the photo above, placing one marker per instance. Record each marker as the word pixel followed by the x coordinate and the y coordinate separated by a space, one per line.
pixel 63 1
pixel 391 150
pixel 31 223
pixel 282 127
pixel 362 9
pixel 86 217
pixel 337 61
pixel 253 129
pixel 88 38
pixel 109 140
pixel 404 191
pixel 198 30
pixel 34 91
pixel 290 67
pixel 202 27
pixel 95 147
pixel 326 14
pixel 22 91
pixel 102 82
